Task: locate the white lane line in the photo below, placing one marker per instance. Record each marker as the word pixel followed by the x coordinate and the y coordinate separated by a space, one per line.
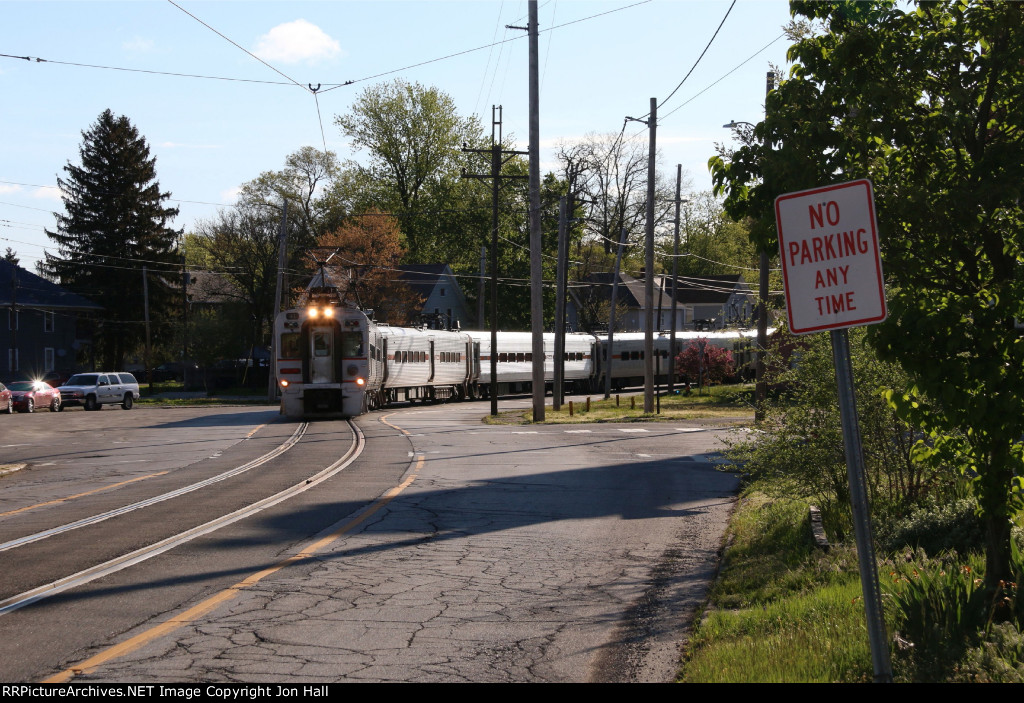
pixel 153 550
pixel 259 461
pixel 632 430
pixel 578 431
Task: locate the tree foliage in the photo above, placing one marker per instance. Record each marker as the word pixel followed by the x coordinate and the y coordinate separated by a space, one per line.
pixel 361 258
pixel 413 138
pixel 925 101
pixel 301 183
pixel 711 243
pixel 610 174
pixel 801 443
pixel 241 245
pixel 114 224
pixel 704 361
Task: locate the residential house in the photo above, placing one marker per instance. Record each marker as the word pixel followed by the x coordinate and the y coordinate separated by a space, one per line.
pixel 708 302
pixel 444 304
pixel 46 327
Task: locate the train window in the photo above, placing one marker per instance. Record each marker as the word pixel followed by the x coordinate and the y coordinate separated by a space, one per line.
pixel 529 356
pixel 321 344
pixel 290 345
pixel 502 357
pixel 351 344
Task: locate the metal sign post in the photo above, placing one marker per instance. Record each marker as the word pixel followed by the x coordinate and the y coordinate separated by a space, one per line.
pixel 832 270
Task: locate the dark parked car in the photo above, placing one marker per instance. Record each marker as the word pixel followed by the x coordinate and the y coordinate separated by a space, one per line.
pixel 29 395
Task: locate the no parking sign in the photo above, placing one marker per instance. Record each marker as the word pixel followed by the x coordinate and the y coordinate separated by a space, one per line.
pixel 831 266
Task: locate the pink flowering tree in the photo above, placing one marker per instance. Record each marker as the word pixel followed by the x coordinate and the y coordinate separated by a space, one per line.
pixel 703 359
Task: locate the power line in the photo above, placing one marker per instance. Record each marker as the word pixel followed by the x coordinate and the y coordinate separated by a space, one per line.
pixel 77 64
pixel 710 41
pixel 236 44
pixel 485 46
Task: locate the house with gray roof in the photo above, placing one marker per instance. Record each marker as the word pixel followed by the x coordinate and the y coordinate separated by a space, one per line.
pixel 708 302
pixel 44 328
pixel 444 304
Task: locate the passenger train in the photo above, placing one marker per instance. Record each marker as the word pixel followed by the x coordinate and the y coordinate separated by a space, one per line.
pixel 333 360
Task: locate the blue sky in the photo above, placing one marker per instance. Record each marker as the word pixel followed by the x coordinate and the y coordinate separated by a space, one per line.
pixel 209 135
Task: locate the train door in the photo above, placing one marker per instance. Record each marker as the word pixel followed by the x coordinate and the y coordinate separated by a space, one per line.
pixel 321 354
pixel 431 359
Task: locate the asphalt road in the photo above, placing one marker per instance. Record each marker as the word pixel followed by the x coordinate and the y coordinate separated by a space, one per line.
pixel 448 551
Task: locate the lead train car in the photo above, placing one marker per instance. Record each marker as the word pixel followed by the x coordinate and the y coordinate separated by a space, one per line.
pixel 327 359
pixel 334 361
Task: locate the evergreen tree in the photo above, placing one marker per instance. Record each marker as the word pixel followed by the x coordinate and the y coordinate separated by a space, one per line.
pixel 115 223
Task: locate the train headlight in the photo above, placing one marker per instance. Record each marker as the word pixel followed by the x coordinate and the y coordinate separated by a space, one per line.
pixel 328 312
pixel 312 312
pixel 284 383
pixel 352 369
pixel 360 381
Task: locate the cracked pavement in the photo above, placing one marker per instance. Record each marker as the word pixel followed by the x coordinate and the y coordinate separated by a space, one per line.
pixel 541 555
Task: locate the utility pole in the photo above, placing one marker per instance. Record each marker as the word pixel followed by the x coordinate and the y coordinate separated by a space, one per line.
pixel 557 391
pixel 480 288
pixel 12 356
pixel 675 281
pixel 282 253
pixel 184 315
pixel 495 177
pixel 145 302
pixel 760 386
pixel 611 317
pixel 652 125
pixel 536 272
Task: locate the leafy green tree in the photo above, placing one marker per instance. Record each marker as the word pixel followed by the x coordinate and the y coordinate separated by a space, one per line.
pixel 301 183
pixel 711 243
pixel 241 245
pixel 924 100
pixel 800 446
pixel 413 138
pixel 114 224
pixel 11 257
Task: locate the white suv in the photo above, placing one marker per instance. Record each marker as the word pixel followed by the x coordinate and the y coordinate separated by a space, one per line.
pixel 94 390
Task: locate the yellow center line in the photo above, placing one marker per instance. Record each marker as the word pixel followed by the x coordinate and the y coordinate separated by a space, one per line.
pixel 255 429
pixel 384 418
pixel 80 495
pixel 199 610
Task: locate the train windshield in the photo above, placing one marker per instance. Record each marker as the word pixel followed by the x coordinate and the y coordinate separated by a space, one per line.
pixel 321 343
pixel 290 345
pixel 351 344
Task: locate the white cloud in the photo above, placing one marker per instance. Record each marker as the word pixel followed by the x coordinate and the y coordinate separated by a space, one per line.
pixel 137 43
pixel 5 189
pixel 230 195
pixel 296 42
pixel 46 193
